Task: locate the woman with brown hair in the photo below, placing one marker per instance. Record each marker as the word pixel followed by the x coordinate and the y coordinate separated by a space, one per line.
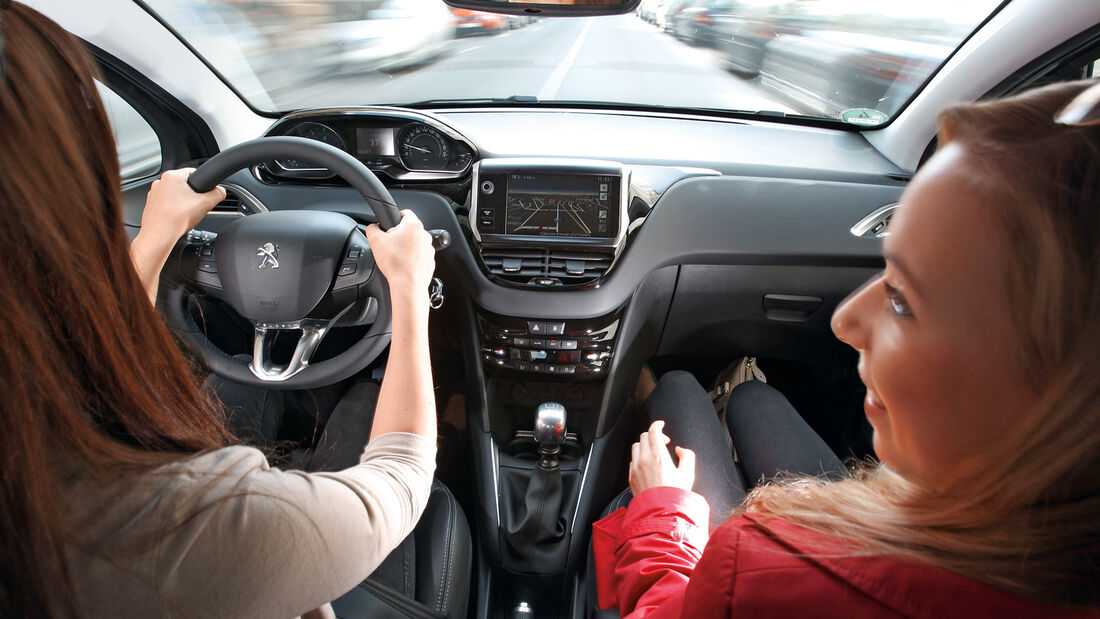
pixel 979 346
pixel 119 494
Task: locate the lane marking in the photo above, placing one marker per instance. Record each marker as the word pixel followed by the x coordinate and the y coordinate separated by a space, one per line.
pixel 550 89
pixel 469 49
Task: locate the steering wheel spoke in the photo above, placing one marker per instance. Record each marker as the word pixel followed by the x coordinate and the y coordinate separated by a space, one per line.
pixel 313 332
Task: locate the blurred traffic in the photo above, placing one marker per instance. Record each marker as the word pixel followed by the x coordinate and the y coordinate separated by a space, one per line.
pixel 842 59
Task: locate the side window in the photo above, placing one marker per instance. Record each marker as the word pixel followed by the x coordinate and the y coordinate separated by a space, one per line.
pixel 1092 69
pixel 137 143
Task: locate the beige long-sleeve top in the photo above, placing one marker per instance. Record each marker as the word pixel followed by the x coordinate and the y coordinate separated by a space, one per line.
pixel 223 535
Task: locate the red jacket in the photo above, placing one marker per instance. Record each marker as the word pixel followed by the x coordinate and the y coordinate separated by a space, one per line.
pixel 650 563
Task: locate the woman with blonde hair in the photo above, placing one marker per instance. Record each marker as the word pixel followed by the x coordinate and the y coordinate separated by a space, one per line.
pixel 979 346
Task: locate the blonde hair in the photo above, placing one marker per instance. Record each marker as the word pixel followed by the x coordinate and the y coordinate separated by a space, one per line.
pixel 1026 518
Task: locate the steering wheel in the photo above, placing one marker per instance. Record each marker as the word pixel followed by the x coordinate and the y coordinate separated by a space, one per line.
pixel 304 271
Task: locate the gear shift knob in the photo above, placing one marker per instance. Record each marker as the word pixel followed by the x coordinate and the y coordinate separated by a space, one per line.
pixel 549 433
pixel 550 424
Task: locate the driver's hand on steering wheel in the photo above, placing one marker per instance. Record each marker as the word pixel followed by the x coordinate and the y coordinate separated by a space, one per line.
pixel 651 464
pixel 172 207
pixel 405 256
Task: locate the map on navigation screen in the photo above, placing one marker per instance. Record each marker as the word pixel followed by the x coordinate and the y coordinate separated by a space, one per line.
pixel 558 205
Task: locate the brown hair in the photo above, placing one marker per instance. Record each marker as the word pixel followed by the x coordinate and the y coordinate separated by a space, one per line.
pixel 91 375
pixel 1026 519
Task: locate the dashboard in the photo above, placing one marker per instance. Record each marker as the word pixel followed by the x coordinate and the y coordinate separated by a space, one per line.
pixel 632 234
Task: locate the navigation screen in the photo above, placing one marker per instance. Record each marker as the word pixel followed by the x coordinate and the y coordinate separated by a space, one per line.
pixel 562 205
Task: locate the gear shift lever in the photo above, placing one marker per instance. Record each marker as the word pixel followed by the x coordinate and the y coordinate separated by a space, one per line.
pixel 535 532
pixel 549 433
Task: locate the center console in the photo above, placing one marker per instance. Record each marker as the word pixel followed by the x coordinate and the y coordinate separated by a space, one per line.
pixel 553 225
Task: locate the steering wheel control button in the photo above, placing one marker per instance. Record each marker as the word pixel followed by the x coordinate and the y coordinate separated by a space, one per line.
pixel 487 187
pixel 200 237
pixel 347 268
pixel 208 266
pixel 353 253
pixel 206 251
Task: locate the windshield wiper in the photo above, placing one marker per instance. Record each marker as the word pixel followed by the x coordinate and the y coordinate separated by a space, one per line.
pixel 525 99
pixel 532 100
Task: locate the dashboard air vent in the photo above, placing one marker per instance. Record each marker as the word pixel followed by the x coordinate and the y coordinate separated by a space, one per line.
pixel 231 204
pixel 543 266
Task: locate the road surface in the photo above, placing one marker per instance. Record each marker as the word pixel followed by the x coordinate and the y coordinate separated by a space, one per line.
pixel 601 59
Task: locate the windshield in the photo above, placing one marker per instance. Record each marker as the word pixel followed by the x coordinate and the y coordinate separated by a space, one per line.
pixel 850 60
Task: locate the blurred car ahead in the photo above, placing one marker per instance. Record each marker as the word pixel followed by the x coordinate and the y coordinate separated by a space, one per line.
pixel 741 29
pixel 386 36
pixel 696 21
pixel 474 23
pixel 835 72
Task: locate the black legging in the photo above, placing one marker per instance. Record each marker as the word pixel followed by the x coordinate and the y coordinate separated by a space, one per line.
pixel 257 417
pixel 770 438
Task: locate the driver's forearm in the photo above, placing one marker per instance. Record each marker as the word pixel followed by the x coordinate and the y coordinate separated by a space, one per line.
pixel 406 402
pixel 149 255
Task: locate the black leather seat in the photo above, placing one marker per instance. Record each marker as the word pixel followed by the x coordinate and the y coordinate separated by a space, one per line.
pixel 427 575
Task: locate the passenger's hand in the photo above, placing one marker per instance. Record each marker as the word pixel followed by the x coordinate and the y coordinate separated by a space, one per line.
pixel 405 255
pixel 172 207
pixel 651 464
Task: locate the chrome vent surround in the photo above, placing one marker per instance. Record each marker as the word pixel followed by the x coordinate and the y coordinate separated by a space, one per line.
pixel 238 200
pixel 876 224
pixel 546 266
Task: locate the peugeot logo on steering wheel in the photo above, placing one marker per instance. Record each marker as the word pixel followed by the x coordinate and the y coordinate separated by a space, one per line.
pixel 270 252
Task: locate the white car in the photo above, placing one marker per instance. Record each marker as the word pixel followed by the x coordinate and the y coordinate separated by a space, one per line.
pixel 385 36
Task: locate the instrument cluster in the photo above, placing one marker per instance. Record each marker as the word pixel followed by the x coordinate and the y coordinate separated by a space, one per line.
pixel 404 145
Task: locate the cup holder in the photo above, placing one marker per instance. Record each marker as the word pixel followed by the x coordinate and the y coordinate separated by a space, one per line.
pixel 523 446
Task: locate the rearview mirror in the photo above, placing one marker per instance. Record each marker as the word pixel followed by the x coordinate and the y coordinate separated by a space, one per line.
pixel 560 8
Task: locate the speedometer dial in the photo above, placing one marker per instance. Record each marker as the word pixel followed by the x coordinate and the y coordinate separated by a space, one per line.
pixel 424 149
pixel 313 131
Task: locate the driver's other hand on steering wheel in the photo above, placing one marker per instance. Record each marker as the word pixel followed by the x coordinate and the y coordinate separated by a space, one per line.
pixel 651 464
pixel 405 255
pixel 172 207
